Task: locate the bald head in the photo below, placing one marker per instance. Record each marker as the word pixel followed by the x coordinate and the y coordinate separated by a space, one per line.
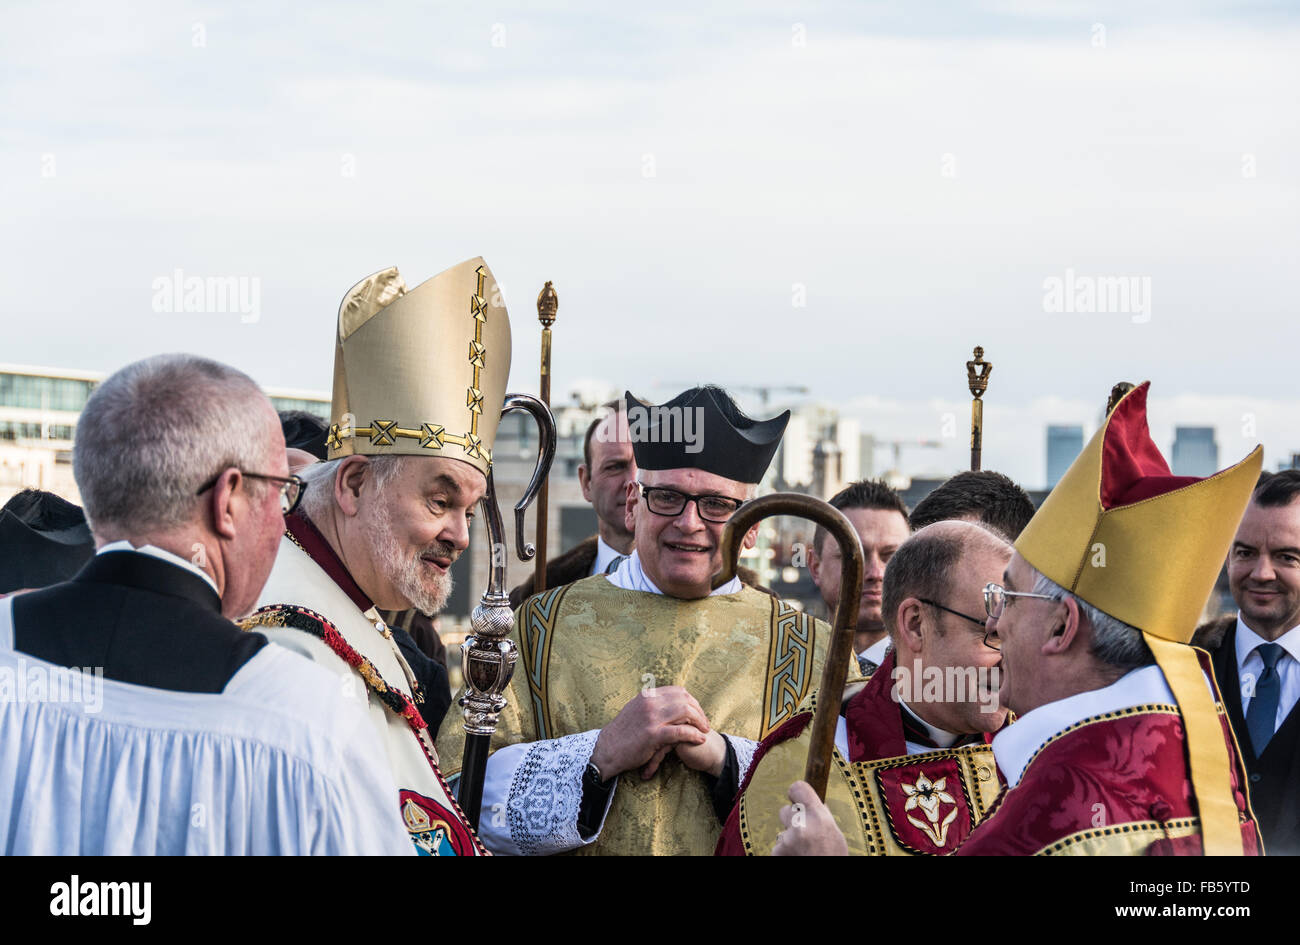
pixel 925 566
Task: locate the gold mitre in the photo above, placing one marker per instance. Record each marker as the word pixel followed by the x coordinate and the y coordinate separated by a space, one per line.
pixel 421 373
pixel 1145 546
pixel 1132 539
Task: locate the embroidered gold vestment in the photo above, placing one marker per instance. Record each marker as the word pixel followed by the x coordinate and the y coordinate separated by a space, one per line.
pixel 588 648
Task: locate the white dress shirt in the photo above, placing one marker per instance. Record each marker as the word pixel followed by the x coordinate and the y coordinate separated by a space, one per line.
pixel 1250 666
pixel 604 555
pixel 876 652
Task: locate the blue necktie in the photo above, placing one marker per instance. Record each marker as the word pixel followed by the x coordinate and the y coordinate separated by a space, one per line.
pixel 1262 714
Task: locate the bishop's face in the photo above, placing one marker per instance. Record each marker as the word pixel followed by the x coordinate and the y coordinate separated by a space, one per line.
pixel 681 553
pixel 418 524
pixel 1025 625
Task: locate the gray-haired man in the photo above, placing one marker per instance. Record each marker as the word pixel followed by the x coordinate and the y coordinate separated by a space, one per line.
pixel 136 718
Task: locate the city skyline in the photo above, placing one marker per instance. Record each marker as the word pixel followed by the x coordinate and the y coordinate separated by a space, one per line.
pixel 832 195
pixel 1011 445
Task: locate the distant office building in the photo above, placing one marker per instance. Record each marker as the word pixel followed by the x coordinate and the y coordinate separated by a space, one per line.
pixel 39 408
pixel 821 451
pixel 867 456
pixel 1064 444
pixel 795 457
pixel 828 469
pixel 918 488
pixel 1195 452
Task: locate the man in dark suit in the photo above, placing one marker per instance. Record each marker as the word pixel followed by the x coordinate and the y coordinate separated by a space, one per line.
pixel 1257 656
pixel 604 474
pixel 879 516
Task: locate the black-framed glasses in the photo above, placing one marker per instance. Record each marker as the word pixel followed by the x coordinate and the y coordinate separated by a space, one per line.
pixel 291 487
pixel 991 639
pixel 670 502
pixel 996 598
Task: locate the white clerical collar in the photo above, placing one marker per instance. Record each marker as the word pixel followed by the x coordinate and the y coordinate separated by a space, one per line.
pixel 630 576
pixel 1015 745
pixel 604 555
pixel 1248 640
pixel 163 555
pixel 940 738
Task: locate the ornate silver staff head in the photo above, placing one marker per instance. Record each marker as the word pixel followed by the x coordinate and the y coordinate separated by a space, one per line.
pixel 487 655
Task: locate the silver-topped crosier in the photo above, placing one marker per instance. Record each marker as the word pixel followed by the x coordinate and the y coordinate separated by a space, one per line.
pixel 488 655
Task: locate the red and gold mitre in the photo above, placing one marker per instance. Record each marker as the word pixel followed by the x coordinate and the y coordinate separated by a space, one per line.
pixel 1123 533
pixel 421 372
pixel 1132 539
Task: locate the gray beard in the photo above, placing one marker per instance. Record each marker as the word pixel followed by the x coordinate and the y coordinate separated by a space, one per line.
pixel 405 572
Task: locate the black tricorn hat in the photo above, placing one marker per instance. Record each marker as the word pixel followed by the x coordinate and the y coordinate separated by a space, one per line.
pixel 702 428
pixel 44 539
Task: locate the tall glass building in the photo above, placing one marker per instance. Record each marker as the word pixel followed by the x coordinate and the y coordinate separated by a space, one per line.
pixel 1064 444
pixel 1195 452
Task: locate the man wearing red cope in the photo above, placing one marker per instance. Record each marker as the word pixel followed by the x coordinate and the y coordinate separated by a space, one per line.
pixel 1121 745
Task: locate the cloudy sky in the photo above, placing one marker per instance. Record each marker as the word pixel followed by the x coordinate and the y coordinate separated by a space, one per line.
pixel 843 196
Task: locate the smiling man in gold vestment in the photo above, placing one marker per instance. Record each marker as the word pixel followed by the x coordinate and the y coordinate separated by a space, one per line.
pixel 638 691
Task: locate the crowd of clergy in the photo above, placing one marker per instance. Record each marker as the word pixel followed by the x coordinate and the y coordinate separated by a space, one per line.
pixel 229 646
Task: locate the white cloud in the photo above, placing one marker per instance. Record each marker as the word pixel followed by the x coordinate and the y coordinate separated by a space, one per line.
pixel 774 165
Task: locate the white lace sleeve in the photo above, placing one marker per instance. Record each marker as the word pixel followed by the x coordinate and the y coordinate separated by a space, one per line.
pixel 532 795
pixel 744 750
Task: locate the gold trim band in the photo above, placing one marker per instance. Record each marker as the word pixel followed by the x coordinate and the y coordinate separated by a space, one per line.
pixel 432 436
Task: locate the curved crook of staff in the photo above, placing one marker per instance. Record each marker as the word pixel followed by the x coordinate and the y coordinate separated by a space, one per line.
pixel 836 668
pixel 545 456
pixel 488 656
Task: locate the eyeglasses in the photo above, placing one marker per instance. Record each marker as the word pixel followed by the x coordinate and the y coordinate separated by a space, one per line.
pixel 996 598
pixel 291 488
pixel 670 502
pixel 990 636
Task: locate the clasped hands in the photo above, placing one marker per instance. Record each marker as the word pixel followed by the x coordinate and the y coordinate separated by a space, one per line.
pixel 653 724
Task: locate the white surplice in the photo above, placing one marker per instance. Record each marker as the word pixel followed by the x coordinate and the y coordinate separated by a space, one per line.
pixel 276 763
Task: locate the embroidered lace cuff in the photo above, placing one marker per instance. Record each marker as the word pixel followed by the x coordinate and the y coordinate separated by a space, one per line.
pixel 539 814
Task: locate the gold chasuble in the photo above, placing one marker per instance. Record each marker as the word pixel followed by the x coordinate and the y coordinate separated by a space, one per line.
pixel 586 649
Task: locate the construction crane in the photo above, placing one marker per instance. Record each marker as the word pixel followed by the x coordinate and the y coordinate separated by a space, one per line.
pixel 764 391
pixel 894 476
